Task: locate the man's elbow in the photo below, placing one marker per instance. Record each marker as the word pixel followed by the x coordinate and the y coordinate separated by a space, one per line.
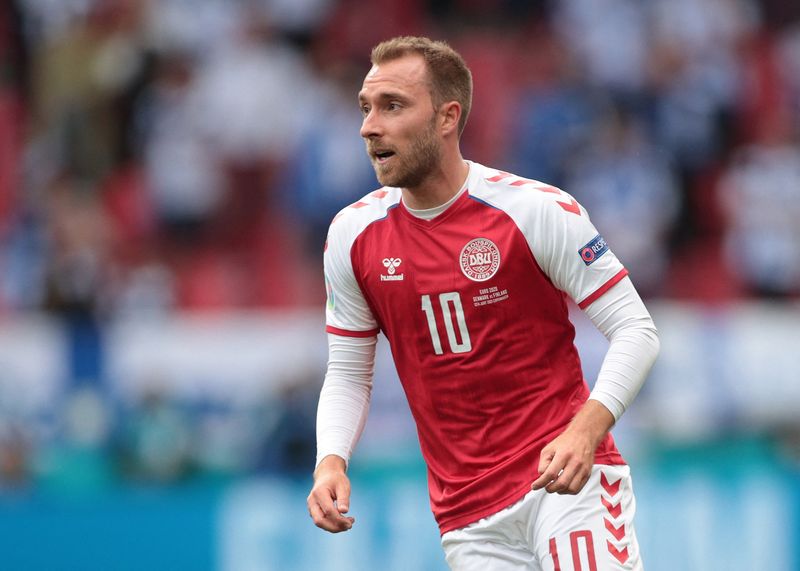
pixel 653 341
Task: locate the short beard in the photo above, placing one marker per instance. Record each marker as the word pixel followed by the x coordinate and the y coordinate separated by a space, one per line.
pixel 423 158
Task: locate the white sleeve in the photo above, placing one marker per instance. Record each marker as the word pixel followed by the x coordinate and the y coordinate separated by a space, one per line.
pixel 347 311
pixel 622 317
pixel 576 258
pixel 345 396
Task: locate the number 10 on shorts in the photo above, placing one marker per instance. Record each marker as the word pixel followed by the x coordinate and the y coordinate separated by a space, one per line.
pixel 582 548
pixel 446 300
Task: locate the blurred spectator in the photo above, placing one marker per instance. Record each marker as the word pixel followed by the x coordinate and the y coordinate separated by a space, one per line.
pixel 254 95
pixel 696 76
pixel 182 176
pixel 23 264
pixel 291 445
pixel 493 62
pixel 298 19
pixel 144 290
pixel 81 75
pixel 142 283
pixel 226 437
pixel 555 111
pixel 627 187
pixel 188 26
pixel 78 272
pixel 77 460
pixel 697 73
pixel 79 246
pixel 156 443
pixel 609 40
pixel 333 169
pixel 761 193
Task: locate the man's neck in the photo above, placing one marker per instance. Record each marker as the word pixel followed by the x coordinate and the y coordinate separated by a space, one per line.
pixel 441 186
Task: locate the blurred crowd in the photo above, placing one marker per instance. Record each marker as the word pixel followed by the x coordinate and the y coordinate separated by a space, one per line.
pixel 164 155
pixel 189 154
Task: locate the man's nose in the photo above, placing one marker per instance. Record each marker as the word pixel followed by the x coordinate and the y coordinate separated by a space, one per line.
pixel 370 126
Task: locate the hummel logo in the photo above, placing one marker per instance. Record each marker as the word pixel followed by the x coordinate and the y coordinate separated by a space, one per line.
pixel 391 267
pixel 392 264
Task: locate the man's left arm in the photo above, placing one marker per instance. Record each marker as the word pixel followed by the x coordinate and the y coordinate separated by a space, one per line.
pixel 566 463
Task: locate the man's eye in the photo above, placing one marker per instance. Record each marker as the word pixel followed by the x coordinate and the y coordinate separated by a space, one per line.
pixel 393 106
pixel 364 110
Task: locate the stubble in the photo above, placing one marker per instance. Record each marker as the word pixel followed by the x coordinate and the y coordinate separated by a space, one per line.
pixel 415 165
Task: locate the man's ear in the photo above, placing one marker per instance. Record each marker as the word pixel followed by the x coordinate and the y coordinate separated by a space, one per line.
pixel 449 115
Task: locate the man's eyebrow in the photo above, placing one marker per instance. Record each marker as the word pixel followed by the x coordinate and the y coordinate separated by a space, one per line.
pixel 384 95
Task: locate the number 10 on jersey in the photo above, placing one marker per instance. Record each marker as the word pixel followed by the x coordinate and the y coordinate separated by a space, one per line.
pixel 446 300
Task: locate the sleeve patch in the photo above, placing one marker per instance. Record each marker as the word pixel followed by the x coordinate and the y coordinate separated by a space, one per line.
pixel 593 250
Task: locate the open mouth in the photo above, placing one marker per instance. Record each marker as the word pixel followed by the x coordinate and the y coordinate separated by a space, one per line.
pixel 383 156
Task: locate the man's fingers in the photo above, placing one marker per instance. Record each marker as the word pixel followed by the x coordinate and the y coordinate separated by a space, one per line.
pixel 549 471
pixel 562 475
pixel 343 497
pixel 325 512
pixel 579 481
pixel 565 464
pixel 322 498
pixel 561 484
pixel 316 514
pixel 571 480
pixel 330 519
pixel 545 459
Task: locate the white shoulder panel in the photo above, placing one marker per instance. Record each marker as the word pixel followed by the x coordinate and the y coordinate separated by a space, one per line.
pixel 347 311
pixel 562 238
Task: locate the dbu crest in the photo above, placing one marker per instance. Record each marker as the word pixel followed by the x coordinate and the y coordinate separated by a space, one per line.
pixel 480 259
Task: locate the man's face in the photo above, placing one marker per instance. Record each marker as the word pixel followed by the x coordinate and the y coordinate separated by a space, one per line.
pixel 399 125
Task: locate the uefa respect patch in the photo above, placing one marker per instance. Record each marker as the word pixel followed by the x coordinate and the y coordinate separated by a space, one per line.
pixel 593 250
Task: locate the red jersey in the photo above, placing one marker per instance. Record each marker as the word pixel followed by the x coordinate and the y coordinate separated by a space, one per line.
pixel 473 304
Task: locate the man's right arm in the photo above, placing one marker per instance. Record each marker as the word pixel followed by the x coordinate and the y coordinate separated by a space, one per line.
pixel 341 415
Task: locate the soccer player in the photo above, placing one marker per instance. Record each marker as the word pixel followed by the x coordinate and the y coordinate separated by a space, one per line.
pixel 466 269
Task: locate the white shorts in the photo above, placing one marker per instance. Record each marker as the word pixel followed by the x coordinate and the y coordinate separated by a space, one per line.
pixel 590 531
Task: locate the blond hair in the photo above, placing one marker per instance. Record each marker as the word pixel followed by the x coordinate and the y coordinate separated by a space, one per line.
pixel 449 76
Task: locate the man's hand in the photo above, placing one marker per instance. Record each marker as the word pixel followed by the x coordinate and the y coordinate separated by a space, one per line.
pixel 566 463
pixel 330 496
